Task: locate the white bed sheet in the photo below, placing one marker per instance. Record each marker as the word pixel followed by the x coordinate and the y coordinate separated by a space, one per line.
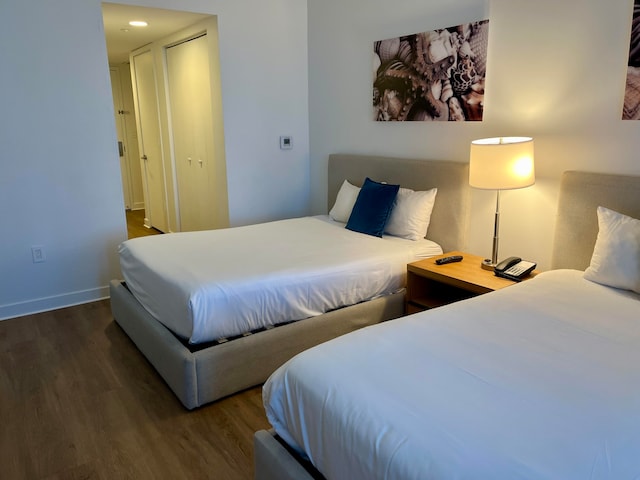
pixel 537 381
pixel 215 284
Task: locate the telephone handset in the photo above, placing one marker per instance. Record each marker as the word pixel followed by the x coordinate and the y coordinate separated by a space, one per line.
pixel 514 268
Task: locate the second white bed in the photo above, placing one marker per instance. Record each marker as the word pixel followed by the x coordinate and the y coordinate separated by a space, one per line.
pixel 538 380
pixel 215 284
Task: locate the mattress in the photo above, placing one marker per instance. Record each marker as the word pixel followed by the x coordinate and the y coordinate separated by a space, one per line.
pixel 216 284
pixel 540 380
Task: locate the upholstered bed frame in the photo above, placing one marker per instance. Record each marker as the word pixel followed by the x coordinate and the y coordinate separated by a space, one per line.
pixel 202 376
pixel 577 223
pixel 575 235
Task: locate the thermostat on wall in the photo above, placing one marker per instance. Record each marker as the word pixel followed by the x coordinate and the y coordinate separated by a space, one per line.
pixel 286 143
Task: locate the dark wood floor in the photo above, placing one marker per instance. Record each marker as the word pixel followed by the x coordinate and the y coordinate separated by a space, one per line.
pixel 135 225
pixel 78 401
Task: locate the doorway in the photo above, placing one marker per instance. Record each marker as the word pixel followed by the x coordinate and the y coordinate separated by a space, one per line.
pixel 121 39
pixel 126 136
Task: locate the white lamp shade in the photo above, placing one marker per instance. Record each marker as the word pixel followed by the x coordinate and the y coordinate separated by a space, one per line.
pixel 502 163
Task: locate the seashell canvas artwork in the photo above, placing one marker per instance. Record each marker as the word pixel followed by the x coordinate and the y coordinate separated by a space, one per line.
pixel 631 106
pixel 437 75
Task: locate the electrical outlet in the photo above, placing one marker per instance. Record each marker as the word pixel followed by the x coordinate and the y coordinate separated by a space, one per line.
pixel 37 254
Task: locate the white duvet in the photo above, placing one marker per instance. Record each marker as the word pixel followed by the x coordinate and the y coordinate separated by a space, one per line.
pixel 540 380
pixel 214 284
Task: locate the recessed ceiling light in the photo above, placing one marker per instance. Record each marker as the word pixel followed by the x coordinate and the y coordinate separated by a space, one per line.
pixel 138 23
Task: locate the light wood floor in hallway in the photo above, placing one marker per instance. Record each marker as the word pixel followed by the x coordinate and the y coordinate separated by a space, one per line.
pixel 79 401
pixel 135 225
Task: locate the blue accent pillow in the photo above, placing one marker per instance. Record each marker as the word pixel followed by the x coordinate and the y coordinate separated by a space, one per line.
pixel 372 208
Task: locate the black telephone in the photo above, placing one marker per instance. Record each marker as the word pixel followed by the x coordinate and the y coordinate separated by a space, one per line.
pixel 514 268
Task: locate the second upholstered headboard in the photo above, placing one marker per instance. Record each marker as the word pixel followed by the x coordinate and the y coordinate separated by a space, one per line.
pixel 577 222
pixel 449 219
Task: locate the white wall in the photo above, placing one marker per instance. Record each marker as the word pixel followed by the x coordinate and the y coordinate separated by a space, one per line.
pixel 59 171
pixel 556 71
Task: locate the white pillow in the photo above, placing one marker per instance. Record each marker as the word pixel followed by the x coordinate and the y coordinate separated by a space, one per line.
pixel 345 200
pixel 616 255
pixel 411 214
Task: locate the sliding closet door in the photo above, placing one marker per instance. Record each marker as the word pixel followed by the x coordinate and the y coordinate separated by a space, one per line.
pixel 188 73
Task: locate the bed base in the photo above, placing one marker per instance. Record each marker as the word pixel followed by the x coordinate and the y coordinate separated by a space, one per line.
pixel 215 372
pixel 274 461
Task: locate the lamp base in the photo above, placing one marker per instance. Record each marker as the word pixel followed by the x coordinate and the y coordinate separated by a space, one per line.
pixel 487 264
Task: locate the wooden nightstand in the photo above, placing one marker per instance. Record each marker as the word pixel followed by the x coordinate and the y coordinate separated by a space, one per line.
pixel 430 285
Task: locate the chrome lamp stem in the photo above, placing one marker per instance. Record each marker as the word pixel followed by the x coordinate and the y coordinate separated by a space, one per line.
pixel 491 264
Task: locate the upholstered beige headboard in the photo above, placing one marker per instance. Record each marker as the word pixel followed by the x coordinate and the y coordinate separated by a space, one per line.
pixel 577 222
pixel 449 219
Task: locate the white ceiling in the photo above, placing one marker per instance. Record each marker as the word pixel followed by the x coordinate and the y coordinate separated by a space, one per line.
pixel 122 38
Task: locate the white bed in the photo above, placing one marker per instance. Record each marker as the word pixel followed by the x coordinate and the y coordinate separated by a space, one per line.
pixel 209 285
pixel 536 381
pixel 481 382
pixel 173 335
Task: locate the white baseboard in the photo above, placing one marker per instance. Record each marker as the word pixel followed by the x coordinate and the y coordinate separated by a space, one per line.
pixel 46 304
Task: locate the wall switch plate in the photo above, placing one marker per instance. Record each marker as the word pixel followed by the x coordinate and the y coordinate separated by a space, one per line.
pixel 286 142
pixel 37 254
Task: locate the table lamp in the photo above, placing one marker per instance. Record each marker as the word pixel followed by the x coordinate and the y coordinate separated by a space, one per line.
pixel 501 163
